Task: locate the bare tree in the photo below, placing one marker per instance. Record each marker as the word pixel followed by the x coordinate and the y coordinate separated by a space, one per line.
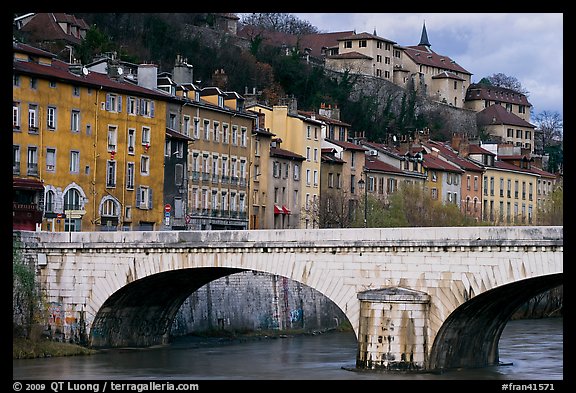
pixel 279 21
pixel 334 210
pixel 550 127
pixel 508 82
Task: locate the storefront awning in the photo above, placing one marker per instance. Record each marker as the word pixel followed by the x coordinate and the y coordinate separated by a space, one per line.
pixel 278 210
pixel 286 210
pixel 27 184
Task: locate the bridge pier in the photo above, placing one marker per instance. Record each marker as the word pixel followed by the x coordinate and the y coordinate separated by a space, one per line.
pixel 393 329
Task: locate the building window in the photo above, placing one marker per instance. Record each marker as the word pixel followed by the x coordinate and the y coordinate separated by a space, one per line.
pixel 50 159
pixel 49 201
pixel 15 159
pixel 144 165
pixel 131 140
pixel 146 136
pixel 16 115
pixel 72 200
pixel 144 198
pixel 51 118
pixel 113 103
pixel 33 117
pixel 186 125
pixel 178 174
pixel 110 173
pixel 74 161
pixel 146 108
pixel 130 176
pixel 112 138
pixel 75 121
pixel 243 137
pixel 132 106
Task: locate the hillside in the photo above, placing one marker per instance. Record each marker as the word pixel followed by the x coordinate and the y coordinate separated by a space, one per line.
pixel 375 108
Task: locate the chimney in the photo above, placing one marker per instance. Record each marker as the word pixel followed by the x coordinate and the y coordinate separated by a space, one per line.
pixel 148 76
pixel 182 72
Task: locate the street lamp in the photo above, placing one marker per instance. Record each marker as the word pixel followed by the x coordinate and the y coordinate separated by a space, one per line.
pixel 363 186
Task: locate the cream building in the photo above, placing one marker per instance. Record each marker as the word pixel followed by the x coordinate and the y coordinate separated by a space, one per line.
pixel 497 121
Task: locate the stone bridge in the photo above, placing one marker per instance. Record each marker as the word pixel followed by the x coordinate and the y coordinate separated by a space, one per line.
pixel 417 298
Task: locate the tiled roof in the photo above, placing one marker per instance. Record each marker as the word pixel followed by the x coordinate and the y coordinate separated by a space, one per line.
pixel 432 162
pixel 61 71
pixel 325 119
pixel 373 164
pixel 447 75
pixel 44 26
pixel 498 115
pixel 365 36
pixel 349 55
pixel 475 149
pixel 278 152
pixel 453 156
pixel 480 91
pixel 346 145
pixel 425 56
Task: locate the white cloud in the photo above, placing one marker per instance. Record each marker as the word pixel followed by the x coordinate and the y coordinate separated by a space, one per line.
pixel 527 46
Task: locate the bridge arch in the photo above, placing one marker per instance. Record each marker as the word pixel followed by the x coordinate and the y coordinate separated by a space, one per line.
pixel 140 314
pixel 469 337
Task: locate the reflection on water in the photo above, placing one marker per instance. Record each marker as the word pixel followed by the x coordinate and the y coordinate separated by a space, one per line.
pixel 534 349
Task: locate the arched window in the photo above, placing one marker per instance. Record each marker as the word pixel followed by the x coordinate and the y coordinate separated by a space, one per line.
pixel 72 200
pixel 49 202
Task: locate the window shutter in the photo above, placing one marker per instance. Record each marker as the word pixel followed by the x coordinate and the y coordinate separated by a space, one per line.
pixel 138 196
pixel 151 108
pixel 107 102
pixel 150 198
pixel 119 103
pixel 138 106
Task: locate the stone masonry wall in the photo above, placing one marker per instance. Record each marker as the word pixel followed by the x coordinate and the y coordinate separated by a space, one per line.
pixel 255 301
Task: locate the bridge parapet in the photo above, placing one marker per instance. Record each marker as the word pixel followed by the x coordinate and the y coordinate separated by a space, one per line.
pixel 468 237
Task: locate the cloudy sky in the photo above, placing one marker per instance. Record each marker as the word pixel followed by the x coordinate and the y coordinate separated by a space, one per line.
pixel 528 46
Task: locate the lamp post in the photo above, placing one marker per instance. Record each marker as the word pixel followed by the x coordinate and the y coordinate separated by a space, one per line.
pixel 363 186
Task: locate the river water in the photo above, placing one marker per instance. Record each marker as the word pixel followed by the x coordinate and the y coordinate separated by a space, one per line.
pixel 529 350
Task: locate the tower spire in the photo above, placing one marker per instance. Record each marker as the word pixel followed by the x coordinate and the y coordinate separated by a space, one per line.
pixel 424 38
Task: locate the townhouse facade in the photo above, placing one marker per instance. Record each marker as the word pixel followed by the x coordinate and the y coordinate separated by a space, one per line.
pixel 94 144
pixel 259 172
pixel 285 185
pixel 300 135
pixel 470 185
pixel 508 191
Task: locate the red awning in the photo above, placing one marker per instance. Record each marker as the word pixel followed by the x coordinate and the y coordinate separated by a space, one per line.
pixel 286 210
pixel 27 184
pixel 278 210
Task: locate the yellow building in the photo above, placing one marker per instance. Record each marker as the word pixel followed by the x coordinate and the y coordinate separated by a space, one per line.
pixel 508 191
pixel 96 144
pixel 301 135
pixel 260 164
